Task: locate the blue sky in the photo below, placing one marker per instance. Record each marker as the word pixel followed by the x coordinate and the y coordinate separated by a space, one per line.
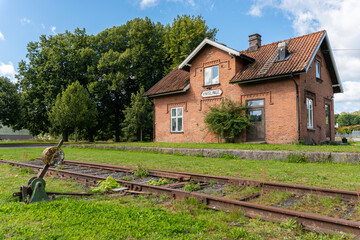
pixel 22 21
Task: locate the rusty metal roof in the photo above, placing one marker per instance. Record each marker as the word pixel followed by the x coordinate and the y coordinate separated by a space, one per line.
pixel 174 82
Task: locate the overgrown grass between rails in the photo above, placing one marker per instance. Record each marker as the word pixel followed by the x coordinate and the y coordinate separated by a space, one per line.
pixel 114 217
pixel 312 174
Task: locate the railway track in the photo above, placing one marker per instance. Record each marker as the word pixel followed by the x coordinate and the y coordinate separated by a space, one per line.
pixel 77 171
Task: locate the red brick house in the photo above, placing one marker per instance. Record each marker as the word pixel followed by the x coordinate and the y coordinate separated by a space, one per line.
pixel 288 87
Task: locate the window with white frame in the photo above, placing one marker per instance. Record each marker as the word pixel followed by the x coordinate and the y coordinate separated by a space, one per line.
pixel 177 119
pixel 310 112
pixel 318 69
pixel 211 75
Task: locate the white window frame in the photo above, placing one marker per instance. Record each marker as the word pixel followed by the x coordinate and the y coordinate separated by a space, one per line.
pixel 175 118
pixel 212 79
pixel 318 69
pixel 310 113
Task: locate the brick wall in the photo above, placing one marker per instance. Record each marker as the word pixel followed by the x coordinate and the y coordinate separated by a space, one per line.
pixel 279 95
pixel 322 93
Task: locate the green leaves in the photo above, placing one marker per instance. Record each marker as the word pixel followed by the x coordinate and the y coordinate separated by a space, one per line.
pixel 138 118
pixel 106 185
pixel 73 109
pixel 227 120
pixel 10 103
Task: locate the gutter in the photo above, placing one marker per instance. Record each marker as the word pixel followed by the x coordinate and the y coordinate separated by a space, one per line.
pixel 297 105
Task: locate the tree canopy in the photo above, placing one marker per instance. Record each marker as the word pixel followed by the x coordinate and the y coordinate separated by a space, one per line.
pixel 110 65
pixel 73 110
pixel 138 118
pixel 10 103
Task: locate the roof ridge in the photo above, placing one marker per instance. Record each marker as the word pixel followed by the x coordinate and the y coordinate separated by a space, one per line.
pixel 297 37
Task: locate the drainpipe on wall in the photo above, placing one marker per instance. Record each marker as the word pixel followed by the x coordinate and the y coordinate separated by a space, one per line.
pixel 297 106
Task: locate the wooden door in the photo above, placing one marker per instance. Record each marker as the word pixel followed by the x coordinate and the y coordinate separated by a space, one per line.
pixel 256 111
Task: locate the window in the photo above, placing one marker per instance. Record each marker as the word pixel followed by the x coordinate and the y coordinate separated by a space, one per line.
pixel 211 75
pixel 255 103
pixel 255 116
pixel 318 69
pixel 177 119
pixel 310 113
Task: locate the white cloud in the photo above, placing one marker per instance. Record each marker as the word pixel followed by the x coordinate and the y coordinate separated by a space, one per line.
pixel 340 19
pixel 148 3
pixel 53 28
pixel 8 70
pixel 25 21
pixel 2 36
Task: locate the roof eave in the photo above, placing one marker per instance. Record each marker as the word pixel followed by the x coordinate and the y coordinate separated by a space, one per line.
pixel 266 78
pixel 187 87
pixel 201 45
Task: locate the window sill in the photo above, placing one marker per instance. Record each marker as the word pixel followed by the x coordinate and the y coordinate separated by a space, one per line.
pixel 177 132
pixel 319 80
pixel 311 129
pixel 211 85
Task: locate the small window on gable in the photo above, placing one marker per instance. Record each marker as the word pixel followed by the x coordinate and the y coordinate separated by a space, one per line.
pixel 211 75
pixel 177 119
pixel 318 65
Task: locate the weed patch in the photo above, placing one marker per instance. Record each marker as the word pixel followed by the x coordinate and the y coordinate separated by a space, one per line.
pixel 141 171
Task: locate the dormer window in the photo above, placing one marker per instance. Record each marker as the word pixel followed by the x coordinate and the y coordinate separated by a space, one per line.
pixel 211 75
pixel 318 69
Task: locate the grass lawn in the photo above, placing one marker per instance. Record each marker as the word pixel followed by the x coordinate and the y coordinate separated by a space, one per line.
pixel 115 217
pixel 352 147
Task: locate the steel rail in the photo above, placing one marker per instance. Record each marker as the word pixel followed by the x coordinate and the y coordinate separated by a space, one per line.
pixel 292 188
pixel 309 221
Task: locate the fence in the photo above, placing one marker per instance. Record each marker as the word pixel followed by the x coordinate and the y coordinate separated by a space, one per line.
pixel 353 134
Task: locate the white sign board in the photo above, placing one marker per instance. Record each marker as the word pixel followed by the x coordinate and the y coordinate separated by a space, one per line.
pixel 211 93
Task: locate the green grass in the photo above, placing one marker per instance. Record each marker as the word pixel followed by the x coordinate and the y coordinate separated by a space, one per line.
pixel 353 147
pixel 330 175
pixel 114 217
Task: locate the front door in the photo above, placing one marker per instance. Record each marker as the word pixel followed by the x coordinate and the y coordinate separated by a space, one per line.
pixel 327 120
pixel 256 111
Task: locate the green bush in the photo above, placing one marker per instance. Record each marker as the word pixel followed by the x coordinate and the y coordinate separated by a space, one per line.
pixel 227 120
pixel 160 182
pixel 106 185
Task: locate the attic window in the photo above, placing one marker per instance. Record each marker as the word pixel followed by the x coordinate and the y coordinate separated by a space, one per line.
pixel 318 65
pixel 211 75
pixel 283 53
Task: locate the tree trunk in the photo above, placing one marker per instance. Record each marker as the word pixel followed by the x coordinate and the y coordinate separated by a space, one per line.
pixel 141 134
pixel 117 116
pixel 75 131
pixel 65 136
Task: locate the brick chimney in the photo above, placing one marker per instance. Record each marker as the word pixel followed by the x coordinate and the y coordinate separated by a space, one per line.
pixel 254 42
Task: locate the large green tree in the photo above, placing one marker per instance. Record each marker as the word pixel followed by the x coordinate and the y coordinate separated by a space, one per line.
pixel 138 122
pixel 183 36
pixel 10 104
pixel 54 62
pixel 110 65
pixel 74 110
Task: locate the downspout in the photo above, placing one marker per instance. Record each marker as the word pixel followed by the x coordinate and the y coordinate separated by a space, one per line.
pixel 297 105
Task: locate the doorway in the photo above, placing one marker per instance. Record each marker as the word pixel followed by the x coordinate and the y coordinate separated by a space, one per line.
pixel 256 111
pixel 327 121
